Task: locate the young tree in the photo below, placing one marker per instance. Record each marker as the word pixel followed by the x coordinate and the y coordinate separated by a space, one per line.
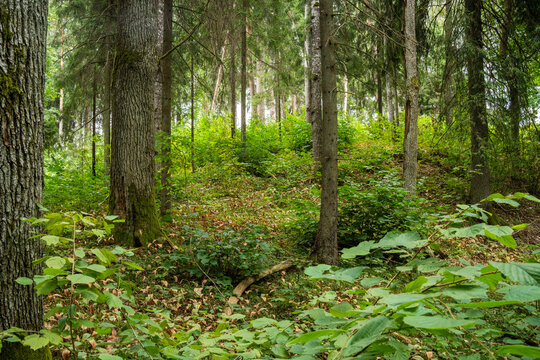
pixel 410 142
pixel 325 248
pixel 132 149
pixel 243 75
pixel 480 182
pixel 22 71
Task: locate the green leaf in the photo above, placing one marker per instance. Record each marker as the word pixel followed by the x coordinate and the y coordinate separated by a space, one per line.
pixel 487 304
pixel 35 341
pixel 507 201
pixel 521 293
pixel 523 350
pixel 416 285
pixel 46 287
pixel 24 281
pixel 368 333
pixel 262 322
pixel 323 271
pixel 436 322
pixel 401 300
pixel 51 239
pixel 112 300
pixel 109 357
pixel 99 233
pixel 110 217
pixel 80 279
pixel 133 266
pixel 409 240
pixel 79 253
pixel 97 268
pixel 361 249
pixel 519 226
pixel 304 338
pixel 105 256
pixel 55 262
pixel 502 234
pixel 523 273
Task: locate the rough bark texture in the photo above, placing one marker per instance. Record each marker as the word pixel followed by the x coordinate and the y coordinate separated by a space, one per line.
pixel 132 149
pixel 325 249
pixel 22 70
pixel 244 73
pixel 410 142
pixel 166 114
pixel 345 94
pixel 307 62
pixel 316 70
pixel 259 91
pixel 192 98
pixel 232 83
pixel 107 103
pixel 480 183
pixel 447 83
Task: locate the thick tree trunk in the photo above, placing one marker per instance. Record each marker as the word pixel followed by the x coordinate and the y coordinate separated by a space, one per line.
pixel 244 73
pixel 166 114
pixel 480 178
pixel 22 81
pixel 307 62
pixel 325 249
pixel 158 89
pixel 316 71
pixel 133 147
pixel 410 139
pixel 447 83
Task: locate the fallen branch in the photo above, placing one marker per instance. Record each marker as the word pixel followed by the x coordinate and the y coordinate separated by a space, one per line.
pixel 244 284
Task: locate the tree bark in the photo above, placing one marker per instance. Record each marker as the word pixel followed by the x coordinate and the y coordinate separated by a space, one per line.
pixel 316 72
pixel 233 88
pixel 325 249
pixel 192 90
pixel 259 90
pixel 410 139
pixel 166 112
pixel 345 94
pixel 447 83
pixel 94 115
pixel 22 81
pixel 480 178
pixel 307 62
pixel 133 147
pixel 107 96
pixel 244 73
pixel 218 81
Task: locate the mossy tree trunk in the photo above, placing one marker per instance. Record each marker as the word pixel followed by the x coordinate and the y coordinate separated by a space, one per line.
pixel 22 80
pixel 132 147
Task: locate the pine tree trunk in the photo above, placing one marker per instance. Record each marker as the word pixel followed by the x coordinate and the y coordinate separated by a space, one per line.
pixel 307 62
pixel 232 82
pixel 244 73
pixel 22 59
pixel 480 178
pixel 94 115
pixel 410 139
pixel 107 106
pixel 132 150
pixel 166 113
pixel 316 70
pixel 325 249
pixel 447 83
pixel 218 81
pixel 192 97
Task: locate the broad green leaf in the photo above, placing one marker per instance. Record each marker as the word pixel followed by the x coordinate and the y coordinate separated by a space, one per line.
pixel 523 273
pixel 262 322
pixel 55 262
pixel 51 239
pixel 521 293
pixel 53 338
pixel 79 253
pixel 304 338
pixel 46 287
pixel 469 231
pixel 416 285
pixel 97 268
pixel 523 350
pixel 361 249
pixel 110 217
pixel 502 234
pixel 99 232
pixel 409 240
pixel 112 300
pixel 402 300
pixel 35 341
pixel 80 279
pixel 465 293
pixel 507 201
pixel 109 357
pixel 368 333
pixel 469 272
pixel 24 281
pixel 519 226
pixel 436 322
pixel 487 304
pixel 323 271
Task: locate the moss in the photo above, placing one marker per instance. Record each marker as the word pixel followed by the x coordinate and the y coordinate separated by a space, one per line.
pixel 17 351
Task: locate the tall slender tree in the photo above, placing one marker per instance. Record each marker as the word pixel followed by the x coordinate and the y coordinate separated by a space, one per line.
pixel 316 73
pixel 325 248
pixel 22 75
pixel 132 150
pixel 480 178
pixel 410 139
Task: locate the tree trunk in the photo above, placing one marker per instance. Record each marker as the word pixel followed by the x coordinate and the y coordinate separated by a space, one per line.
pixel 447 83
pixel 244 73
pixel 307 62
pixel 192 90
pixel 218 82
pixel 259 89
pixel 410 139
pixel 325 249
pixel 133 147
pixel 480 182
pixel 22 81
pixel 61 103
pixel 233 88
pixel 166 114
pixel 316 70
pixel 378 79
pixel 345 94
pixel 94 114
pixel 107 98
pixel 158 89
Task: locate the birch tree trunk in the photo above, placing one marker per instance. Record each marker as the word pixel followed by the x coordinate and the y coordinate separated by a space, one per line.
pixel 325 249
pixel 133 147
pixel 410 139
pixel 22 81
